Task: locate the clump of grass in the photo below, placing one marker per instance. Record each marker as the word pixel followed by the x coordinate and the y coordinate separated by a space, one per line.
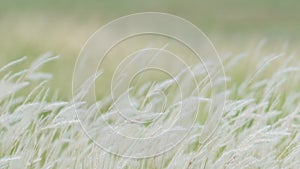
pixel 258 129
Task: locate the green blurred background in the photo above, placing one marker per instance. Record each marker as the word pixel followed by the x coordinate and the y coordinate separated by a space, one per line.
pixel 31 28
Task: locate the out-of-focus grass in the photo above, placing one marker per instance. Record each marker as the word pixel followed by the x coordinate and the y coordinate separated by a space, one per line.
pixel 34 27
pixel 272 17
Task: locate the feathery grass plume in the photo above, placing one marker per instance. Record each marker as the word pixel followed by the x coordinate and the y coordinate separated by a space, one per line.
pixel 259 128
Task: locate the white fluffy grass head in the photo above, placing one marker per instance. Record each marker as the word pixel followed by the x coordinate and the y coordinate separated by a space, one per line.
pixel 259 128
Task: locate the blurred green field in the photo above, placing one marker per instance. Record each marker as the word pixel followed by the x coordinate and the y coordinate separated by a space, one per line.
pixel 32 28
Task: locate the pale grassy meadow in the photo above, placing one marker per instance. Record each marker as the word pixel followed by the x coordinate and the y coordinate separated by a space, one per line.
pixel 258 126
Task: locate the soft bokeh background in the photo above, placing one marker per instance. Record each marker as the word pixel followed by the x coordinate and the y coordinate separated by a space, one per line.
pixel 32 28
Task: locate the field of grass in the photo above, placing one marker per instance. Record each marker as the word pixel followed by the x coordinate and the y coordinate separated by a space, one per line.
pixel 32 28
pixel 41 122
